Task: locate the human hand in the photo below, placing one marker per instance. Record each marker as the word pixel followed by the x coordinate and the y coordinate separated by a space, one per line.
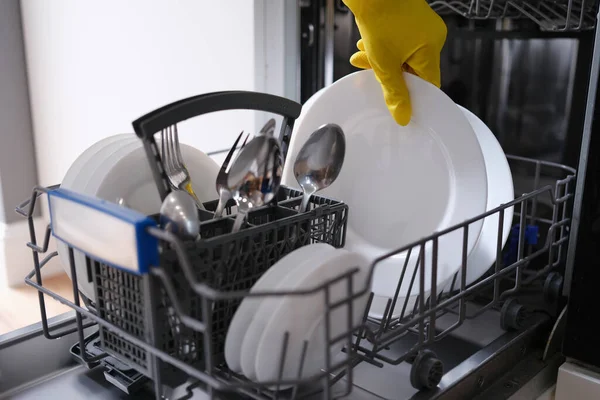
pixel 398 35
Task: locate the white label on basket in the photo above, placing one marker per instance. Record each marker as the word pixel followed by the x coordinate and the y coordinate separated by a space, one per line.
pixel 95 229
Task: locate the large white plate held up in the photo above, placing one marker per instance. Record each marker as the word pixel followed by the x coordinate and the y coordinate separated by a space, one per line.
pixel 401 183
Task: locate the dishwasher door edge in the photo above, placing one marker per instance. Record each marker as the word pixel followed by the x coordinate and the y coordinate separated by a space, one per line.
pixel 27 356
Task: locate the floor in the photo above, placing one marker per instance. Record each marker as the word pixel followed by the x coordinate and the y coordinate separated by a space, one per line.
pixel 19 307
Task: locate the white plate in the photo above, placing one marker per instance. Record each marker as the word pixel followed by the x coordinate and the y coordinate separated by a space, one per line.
pixel 97 161
pixel 500 191
pixel 246 312
pixel 101 165
pixel 401 183
pixel 379 303
pixel 302 318
pixel 84 157
pixel 138 188
pixel 263 313
pixel 76 178
pixel 129 177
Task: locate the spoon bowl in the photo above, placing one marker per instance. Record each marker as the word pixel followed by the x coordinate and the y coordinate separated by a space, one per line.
pixel 179 214
pixel 269 128
pixel 319 161
pixel 255 175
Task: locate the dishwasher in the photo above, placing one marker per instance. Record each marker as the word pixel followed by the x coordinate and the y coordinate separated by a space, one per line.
pixel 158 333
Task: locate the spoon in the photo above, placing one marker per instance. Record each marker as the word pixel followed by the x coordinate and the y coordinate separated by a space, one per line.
pixel 179 214
pixel 255 176
pixel 275 172
pixel 269 128
pixel 319 161
pixel 224 193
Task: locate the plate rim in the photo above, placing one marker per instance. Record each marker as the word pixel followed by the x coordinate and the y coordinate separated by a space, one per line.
pixel 256 329
pixel 296 278
pixel 244 316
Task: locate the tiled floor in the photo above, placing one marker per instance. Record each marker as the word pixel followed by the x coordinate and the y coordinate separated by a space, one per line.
pixel 19 307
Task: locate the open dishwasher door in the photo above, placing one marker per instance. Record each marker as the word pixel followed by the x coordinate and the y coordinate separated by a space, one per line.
pixel 477 356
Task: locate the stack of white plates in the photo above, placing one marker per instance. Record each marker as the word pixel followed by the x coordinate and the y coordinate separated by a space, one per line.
pixel 405 183
pixel 117 168
pixel 255 343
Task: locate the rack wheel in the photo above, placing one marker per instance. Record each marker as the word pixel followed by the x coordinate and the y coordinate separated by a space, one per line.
pixel 426 371
pixel 553 287
pixel 512 315
pixel 411 358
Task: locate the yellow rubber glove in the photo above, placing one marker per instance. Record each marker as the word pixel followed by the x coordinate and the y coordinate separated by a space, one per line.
pixel 398 35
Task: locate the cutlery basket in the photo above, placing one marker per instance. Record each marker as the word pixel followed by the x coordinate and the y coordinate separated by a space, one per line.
pixel 179 309
pixel 222 261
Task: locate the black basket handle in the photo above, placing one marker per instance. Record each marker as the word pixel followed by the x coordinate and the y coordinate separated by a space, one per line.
pixel 146 126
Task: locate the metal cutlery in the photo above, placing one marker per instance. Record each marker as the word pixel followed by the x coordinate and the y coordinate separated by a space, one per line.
pixel 269 128
pixel 255 176
pixel 178 174
pixel 222 187
pixel 178 214
pixel 273 178
pixel 319 161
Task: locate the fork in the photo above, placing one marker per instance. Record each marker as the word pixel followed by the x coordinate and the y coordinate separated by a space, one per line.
pixel 178 174
pixel 222 186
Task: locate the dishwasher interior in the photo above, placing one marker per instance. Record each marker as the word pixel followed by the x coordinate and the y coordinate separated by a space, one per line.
pixel 499 337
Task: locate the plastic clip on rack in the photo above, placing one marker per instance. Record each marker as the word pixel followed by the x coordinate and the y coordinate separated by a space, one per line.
pixel 110 233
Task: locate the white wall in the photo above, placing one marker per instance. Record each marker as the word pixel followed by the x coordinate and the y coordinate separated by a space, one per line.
pixel 95 66
pixel 17 157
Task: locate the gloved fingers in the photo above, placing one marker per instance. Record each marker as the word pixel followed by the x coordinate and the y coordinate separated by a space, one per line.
pixel 388 71
pixel 360 60
pixel 425 63
pixel 360 45
pixel 395 93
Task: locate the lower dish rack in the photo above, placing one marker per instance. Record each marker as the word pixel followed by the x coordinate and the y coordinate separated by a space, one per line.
pixel 168 325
